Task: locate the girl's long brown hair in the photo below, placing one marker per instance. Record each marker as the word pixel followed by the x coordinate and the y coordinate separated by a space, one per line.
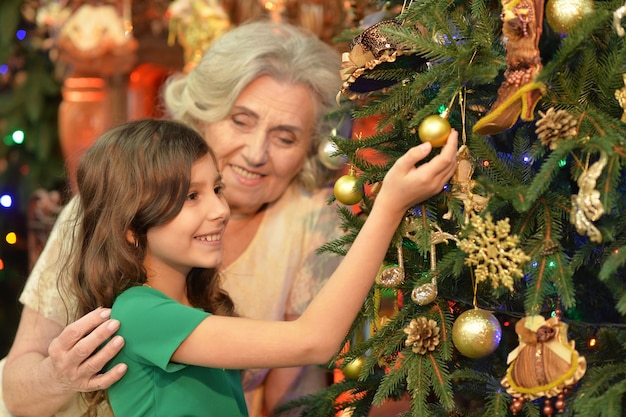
pixel 136 176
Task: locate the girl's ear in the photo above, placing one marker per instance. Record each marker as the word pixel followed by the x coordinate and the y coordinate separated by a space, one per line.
pixel 130 238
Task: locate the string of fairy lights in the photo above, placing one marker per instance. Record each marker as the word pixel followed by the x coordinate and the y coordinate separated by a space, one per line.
pixel 7 199
pixel 26 37
pixel 13 139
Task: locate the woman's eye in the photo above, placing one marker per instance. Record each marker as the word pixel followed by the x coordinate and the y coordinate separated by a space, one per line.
pixel 287 141
pixel 283 138
pixel 241 120
pixel 219 189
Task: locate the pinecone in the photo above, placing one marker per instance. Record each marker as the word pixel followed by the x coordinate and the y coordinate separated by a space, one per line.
pixel 422 335
pixel 555 125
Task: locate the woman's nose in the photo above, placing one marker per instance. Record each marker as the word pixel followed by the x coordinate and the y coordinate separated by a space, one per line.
pixel 256 150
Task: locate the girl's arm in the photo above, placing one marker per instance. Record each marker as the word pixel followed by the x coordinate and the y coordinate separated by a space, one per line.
pixel 231 342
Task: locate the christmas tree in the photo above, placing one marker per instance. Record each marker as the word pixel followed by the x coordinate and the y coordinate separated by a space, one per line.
pixel 504 294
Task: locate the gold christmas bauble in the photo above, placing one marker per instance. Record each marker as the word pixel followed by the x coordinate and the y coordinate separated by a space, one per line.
pixel 347 191
pixel 476 333
pixel 434 129
pixel 325 153
pixel 564 15
pixel 352 369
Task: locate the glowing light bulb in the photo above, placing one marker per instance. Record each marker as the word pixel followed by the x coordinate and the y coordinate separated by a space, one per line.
pixel 18 137
pixel 11 238
pixel 6 200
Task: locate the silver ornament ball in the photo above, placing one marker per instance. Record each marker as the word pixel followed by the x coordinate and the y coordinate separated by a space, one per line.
pixel 326 154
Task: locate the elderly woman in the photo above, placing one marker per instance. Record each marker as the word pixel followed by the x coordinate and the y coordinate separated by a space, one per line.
pixel 259 97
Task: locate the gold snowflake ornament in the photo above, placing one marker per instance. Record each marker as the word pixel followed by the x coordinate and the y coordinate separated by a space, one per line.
pixel 493 251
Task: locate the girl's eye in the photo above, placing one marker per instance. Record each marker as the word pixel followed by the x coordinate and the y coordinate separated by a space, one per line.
pixel 219 189
pixel 192 196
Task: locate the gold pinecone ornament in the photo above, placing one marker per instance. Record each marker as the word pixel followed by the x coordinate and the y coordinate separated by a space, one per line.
pixel 554 126
pixel 422 335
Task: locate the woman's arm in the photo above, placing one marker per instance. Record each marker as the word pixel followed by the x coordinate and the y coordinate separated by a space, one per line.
pixel 282 385
pixel 228 342
pixel 48 364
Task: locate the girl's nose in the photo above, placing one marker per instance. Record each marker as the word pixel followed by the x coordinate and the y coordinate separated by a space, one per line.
pixel 218 209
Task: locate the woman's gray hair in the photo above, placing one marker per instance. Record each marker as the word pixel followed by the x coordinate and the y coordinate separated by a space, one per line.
pixel 281 51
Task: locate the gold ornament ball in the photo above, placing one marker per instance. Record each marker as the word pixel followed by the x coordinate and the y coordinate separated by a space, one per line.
pixel 434 129
pixel 347 191
pixel 352 369
pixel 476 333
pixel 564 15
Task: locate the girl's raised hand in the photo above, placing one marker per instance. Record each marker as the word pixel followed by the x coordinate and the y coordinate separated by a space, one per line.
pixel 407 183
